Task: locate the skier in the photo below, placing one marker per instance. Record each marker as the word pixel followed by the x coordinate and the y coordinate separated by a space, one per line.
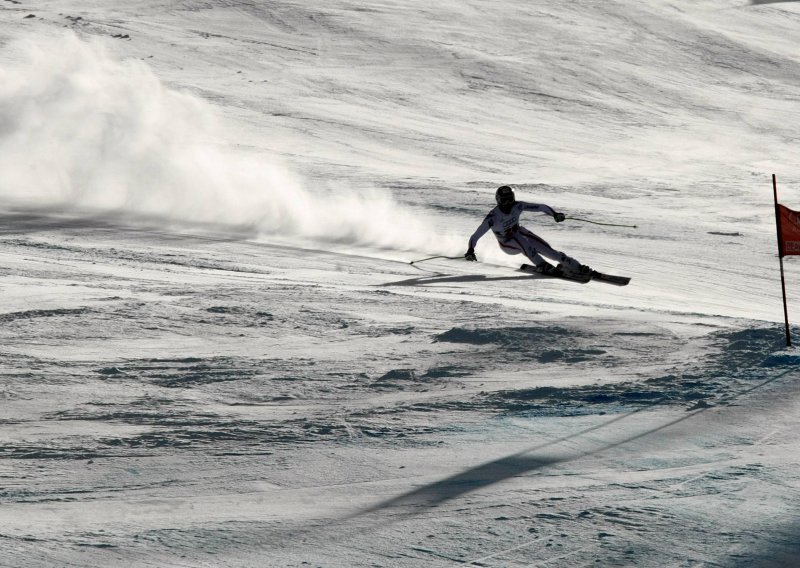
pixel 503 220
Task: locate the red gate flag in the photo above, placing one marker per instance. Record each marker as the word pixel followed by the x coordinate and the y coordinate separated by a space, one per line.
pixel 788 231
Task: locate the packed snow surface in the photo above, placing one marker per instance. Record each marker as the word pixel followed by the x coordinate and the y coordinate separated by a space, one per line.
pixel 214 350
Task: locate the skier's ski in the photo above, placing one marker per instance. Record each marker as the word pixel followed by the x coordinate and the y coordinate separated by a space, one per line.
pixel 594 275
pixel 530 269
pixel 610 279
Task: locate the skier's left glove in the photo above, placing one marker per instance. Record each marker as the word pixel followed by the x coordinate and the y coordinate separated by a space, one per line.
pixel 470 255
pixel 559 217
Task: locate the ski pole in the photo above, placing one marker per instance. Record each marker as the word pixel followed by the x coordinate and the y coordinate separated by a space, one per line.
pixel 604 224
pixel 432 257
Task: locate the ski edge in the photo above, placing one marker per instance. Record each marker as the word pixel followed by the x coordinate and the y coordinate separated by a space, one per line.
pixel 530 269
pixel 611 279
pixel 598 276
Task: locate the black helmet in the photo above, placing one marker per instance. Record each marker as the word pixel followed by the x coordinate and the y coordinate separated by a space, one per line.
pixel 504 197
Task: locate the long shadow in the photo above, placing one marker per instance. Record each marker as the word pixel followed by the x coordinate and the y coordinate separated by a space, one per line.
pixel 36 222
pixel 490 473
pixel 28 221
pixel 522 462
pixel 439 279
pixel 496 471
pixel 467 481
pixel 32 221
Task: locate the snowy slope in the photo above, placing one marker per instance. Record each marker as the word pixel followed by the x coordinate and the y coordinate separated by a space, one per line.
pixel 216 353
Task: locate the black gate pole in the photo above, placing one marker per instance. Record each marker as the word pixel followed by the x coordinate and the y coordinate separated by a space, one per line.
pixel 780 257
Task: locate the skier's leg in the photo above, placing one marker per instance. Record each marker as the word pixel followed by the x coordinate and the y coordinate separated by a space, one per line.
pixel 513 245
pixel 516 244
pixel 536 247
pixel 510 246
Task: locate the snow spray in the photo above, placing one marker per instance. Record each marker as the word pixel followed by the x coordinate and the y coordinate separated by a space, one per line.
pixel 80 128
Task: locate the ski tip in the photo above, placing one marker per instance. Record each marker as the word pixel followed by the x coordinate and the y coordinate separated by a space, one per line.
pixel 609 279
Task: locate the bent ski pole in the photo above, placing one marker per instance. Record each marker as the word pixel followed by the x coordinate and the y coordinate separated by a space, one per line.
pixel 604 224
pixel 432 257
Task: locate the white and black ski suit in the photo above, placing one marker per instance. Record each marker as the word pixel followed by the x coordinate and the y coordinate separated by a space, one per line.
pixel 514 239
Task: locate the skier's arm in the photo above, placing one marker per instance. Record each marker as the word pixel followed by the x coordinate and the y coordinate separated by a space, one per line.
pixel 542 208
pixel 479 232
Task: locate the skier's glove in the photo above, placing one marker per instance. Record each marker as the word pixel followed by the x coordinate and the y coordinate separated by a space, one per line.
pixel 559 217
pixel 470 255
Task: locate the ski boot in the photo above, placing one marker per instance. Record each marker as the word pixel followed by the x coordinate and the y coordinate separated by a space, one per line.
pixel 583 273
pixel 549 270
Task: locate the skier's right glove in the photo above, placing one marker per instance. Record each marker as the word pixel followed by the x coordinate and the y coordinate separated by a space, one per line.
pixel 470 255
pixel 559 217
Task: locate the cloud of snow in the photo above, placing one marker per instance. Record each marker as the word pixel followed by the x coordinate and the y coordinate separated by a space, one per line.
pixel 82 129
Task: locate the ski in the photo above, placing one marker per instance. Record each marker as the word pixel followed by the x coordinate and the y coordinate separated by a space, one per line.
pixel 530 269
pixel 611 279
pixel 594 275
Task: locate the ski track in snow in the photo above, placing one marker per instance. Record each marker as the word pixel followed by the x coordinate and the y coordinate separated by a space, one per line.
pixel 184 393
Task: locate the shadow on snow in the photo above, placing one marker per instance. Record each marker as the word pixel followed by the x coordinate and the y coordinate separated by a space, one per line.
pixel 507 467
pixel 442 279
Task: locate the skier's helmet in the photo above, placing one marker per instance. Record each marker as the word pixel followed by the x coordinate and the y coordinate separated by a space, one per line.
pixel 504 197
